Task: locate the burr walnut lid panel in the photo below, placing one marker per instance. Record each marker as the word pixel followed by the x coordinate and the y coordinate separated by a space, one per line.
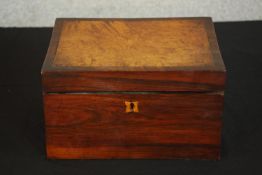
pixel 117 45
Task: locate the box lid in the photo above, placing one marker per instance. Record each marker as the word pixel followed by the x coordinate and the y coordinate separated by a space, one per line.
pixel 171 54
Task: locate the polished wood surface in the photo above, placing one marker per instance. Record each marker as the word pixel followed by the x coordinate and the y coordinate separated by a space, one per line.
pixel 173 54
pixel 133 45
pixel 170 68
pixel 97 126
pixel 126 44
pixel 79 81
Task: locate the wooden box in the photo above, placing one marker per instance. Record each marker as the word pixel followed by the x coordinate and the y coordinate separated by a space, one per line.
pixel 133 88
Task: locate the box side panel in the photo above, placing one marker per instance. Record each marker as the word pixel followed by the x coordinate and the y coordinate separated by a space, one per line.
pixel 89 126
pixel 72 81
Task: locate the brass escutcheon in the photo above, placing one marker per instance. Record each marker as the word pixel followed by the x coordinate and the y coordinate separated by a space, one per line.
pixel 131 106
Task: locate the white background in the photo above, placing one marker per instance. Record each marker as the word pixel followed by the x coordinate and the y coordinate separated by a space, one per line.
pixel 38 13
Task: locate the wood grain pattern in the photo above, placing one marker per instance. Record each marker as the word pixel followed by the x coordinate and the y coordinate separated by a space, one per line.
pixel 171 81
pixel 133 43
pixel 175 60
pixel 171 67
pixel 166 126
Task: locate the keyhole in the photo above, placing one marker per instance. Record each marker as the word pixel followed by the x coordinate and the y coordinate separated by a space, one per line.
pixel 132 106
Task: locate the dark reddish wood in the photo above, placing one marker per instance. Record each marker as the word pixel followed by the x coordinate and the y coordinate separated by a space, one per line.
pixel 94 126
pixel 75 81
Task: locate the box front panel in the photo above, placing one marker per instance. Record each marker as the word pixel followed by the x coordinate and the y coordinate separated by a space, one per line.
pixel 94 126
